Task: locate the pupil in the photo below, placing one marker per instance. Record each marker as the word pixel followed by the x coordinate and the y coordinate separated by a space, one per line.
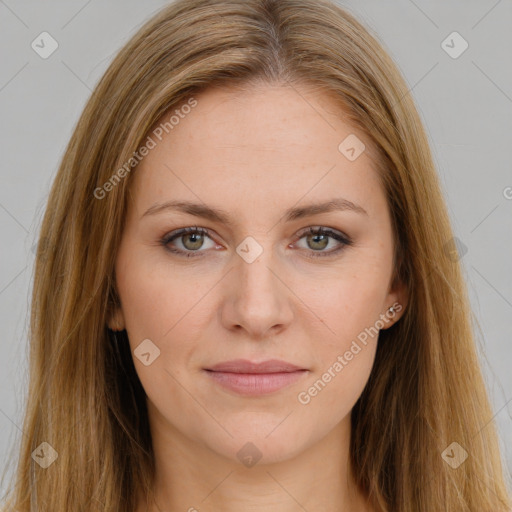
pixel 195 240
pixel 322 238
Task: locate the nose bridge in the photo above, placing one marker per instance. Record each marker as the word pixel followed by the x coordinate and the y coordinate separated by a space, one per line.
pixel 259 299
pixel 256 268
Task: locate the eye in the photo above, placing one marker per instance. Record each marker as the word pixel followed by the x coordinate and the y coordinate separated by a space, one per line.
pixel 192 240
pixel 317 239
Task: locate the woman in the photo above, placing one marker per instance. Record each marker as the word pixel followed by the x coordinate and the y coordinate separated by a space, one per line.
pixel 242 296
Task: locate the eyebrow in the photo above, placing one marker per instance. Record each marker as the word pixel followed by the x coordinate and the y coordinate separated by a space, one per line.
pixel 221 216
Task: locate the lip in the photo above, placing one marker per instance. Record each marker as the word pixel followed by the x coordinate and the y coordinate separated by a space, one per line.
pixel 246 366
pixel 249 378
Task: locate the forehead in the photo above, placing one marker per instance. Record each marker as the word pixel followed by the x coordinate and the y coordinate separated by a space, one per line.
pixel 266 144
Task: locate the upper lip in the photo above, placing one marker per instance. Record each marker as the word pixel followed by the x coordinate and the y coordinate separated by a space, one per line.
pixel 245 366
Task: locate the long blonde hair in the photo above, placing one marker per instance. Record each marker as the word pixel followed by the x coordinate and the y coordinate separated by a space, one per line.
pixel 426 389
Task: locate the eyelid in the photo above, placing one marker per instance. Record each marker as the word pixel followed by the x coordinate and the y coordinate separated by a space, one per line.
pixel 323 230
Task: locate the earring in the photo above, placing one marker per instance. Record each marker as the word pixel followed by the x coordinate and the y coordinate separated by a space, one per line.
pixel 391 309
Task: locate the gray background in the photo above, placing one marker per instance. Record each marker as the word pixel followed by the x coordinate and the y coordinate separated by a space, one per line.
pixel 465 102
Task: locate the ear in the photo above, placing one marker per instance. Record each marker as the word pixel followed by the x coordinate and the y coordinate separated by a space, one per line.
pixel 115 319
pixel 398 298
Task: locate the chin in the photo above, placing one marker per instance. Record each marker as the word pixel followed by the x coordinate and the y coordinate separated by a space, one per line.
pixel 251 445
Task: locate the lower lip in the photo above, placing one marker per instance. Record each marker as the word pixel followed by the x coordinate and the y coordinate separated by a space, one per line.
pixel 255 383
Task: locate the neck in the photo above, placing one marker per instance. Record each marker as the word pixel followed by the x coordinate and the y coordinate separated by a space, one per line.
pixel 194 478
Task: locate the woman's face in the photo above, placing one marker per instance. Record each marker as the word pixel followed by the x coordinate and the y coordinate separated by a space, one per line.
pixel 252 284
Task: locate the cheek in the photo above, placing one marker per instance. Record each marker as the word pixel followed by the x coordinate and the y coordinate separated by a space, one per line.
pixel 345 357
pixel 159 306
pixel 350 304
pixel 147 312
pixel 156 300
pixel 162 304
pixel 349 307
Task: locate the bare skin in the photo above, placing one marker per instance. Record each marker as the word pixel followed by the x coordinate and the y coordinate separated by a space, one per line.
pixel 255 154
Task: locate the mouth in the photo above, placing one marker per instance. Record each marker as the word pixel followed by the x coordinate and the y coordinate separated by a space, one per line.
pixel 247 378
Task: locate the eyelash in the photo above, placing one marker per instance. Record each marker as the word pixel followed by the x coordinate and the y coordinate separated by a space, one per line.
pixel 344 240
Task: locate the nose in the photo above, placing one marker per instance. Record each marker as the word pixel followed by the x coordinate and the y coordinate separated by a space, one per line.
pixel 257 298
